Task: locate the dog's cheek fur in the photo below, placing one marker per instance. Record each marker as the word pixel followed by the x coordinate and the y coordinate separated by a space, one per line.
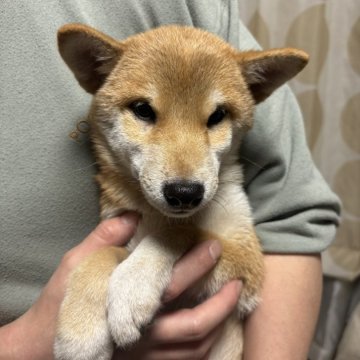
pixel 132 136
pixel 125 136
pixel 220 139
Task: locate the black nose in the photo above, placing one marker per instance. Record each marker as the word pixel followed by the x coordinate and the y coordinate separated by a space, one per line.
pixel 184 194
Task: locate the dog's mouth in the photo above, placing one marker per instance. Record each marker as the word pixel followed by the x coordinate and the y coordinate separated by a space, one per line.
pixel 180 213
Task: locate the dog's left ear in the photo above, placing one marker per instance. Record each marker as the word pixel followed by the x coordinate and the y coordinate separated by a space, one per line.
pixel 90 54
pixel 265 71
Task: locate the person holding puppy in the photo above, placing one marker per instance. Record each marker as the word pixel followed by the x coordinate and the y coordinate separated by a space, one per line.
pixel 53 198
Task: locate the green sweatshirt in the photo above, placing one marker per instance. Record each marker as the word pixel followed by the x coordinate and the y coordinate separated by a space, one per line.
pixel 48 199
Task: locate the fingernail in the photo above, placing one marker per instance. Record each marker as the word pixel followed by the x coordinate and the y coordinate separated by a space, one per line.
pixel 130 218
pixel 215 250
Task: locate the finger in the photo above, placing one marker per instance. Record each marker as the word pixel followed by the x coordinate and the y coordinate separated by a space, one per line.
pixel 193 324
pixel 185 351
pixel 192 267
pixel 146 350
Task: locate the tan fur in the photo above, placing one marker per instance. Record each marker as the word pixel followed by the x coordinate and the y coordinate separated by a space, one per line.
pixel 88 288
pixel 184 74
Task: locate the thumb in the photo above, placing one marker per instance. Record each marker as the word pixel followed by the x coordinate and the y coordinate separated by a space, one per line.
pixel 112 232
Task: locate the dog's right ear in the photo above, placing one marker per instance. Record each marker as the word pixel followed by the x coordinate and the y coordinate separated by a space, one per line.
pixel 265 71
pixel 90 54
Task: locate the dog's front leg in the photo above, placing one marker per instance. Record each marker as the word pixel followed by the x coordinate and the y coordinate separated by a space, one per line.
pixel 82 331
pixel 136 287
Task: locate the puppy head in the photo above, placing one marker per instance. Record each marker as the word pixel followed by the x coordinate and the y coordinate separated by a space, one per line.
pixel 169 103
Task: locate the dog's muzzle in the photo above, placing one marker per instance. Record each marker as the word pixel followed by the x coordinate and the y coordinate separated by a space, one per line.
pixel 183 196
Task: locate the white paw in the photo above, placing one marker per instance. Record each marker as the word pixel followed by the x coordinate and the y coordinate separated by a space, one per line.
pixel 134 298
pixel 95 345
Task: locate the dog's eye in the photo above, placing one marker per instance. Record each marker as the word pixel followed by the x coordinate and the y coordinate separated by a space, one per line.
pixel 143 111
pixel 216 117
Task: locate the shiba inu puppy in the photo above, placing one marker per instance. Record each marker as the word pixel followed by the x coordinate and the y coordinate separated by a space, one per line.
pixel 170 108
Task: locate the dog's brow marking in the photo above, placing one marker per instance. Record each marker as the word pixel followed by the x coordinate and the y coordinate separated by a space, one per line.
pixel 216 98
pixel 151 91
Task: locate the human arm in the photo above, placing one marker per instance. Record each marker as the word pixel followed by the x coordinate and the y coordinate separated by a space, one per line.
pixel 283 324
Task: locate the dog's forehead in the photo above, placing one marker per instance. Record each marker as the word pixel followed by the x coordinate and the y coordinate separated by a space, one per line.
pixel 177 39
pixel 188 60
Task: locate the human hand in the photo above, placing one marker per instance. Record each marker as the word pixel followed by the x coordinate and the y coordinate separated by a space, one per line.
pixel 184 334
pixel 187 333
pixel 32 335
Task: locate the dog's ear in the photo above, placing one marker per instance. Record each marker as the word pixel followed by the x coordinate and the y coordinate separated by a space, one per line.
pixel 265 71
pixel 90 54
